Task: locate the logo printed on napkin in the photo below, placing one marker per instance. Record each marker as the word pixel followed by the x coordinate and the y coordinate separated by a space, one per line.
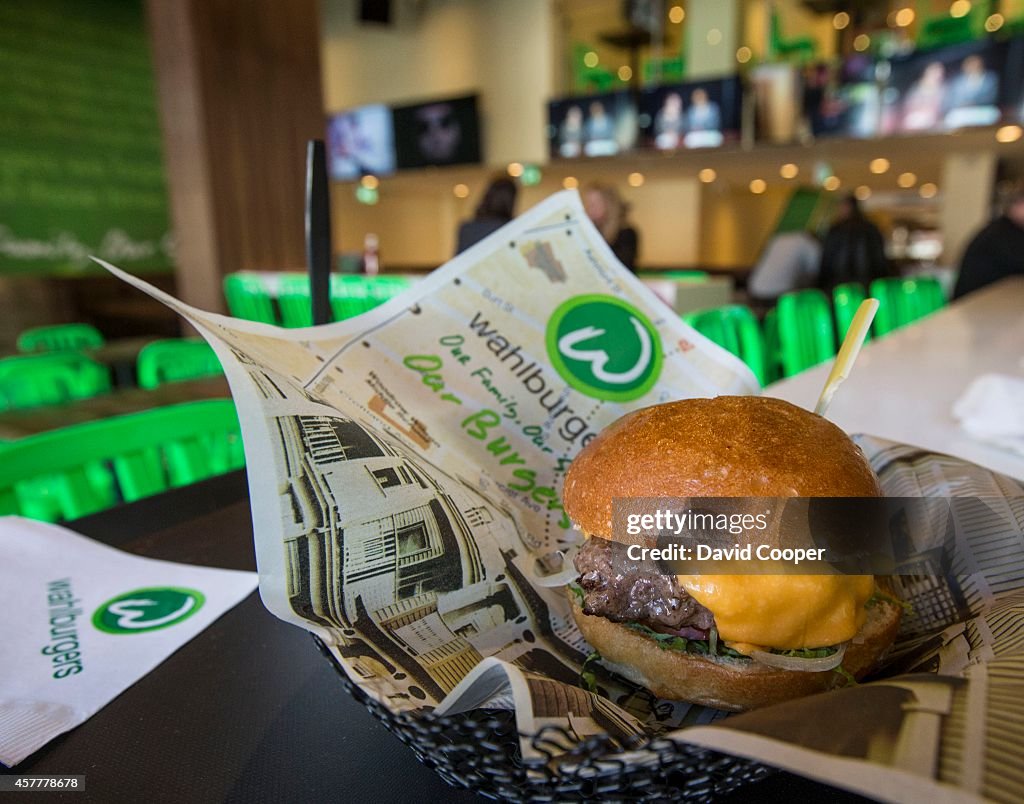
pixel 83 622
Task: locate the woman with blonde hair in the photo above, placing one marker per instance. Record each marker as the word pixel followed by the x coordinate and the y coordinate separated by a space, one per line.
pixel 608 211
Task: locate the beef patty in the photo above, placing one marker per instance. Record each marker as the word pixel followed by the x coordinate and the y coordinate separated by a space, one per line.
pixel 622 590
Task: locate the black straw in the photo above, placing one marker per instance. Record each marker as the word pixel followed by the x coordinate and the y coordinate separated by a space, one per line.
pixel 318 231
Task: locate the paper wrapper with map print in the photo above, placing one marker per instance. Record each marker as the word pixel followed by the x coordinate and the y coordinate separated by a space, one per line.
pixel 405 472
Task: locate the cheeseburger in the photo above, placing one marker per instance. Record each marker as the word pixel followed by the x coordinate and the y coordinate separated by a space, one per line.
pixel 729 641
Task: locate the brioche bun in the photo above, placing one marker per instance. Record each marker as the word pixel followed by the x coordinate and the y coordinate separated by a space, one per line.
pixel 728 447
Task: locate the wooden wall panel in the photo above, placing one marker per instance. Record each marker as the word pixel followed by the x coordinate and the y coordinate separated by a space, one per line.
pixel 246 76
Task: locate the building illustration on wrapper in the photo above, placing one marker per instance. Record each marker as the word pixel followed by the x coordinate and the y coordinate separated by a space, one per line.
pixel 389 560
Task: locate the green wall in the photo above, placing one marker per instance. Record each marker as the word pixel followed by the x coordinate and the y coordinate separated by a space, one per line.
pixel 81 168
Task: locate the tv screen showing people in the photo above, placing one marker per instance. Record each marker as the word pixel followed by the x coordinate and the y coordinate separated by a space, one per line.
pixel 939 90
pixel 843 99
pixel 359 142
pixel 697 114
pixel 437 133
pixel 1012 82
pixel 594 125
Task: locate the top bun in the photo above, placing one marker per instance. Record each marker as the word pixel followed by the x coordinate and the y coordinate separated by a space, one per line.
pixel 729 446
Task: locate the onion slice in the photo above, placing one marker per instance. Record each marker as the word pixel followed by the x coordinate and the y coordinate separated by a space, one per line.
pixel 800 664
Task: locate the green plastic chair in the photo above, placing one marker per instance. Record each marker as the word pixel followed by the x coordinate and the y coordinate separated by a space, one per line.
pixel 29 381
pixel 47 476
pixel 903 301
pixel 176 360
pixel 734 328
pixel 384 288
pixel 294 301
pixel 350 296
pixel 772 347
pixel 806 334
pixel 248 298
pixel 59 338
pixel 846 299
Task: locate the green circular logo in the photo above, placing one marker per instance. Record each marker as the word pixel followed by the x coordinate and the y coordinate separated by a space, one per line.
pixel 604 347
pixel 144 610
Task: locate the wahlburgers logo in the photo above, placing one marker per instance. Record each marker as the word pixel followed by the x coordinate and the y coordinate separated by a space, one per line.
pixel 604 347
pixel 144 610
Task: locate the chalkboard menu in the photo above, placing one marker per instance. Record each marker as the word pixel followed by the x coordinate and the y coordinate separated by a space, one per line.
pixel 81 168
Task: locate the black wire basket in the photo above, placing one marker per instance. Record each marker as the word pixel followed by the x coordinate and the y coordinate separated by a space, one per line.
pixel 480 751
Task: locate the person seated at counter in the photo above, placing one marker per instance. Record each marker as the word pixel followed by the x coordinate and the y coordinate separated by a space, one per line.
pixel 997 251
pixel 789 262
pixel 854 249
pixel 608 212
pixel 496 208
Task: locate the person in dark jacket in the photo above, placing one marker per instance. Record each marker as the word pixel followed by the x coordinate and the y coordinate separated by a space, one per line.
pixel 997 251
pixel 853 250
pixel 496 208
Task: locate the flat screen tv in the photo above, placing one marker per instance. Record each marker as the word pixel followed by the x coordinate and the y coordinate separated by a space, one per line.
pixel 697 114
pixel 843 99
pixel 592 125
pixel 360 141
pixel 948 88
pixel 438 133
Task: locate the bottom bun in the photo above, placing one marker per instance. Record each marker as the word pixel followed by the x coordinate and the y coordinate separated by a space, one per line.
pixel 721 682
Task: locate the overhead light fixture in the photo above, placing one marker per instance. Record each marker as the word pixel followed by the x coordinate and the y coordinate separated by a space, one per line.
pixel 570 183
pixel 994 22
pixel 878 166
pixel 635 179
pixel 370 182
pixel 1008 133
pixel 841 21
pixel 590 58
pixel 707 175
pixel 831 183
pixel 758 186
pixel 676 14
pixel 906 180
pixel 625 72
pixel 862 193
pixel 904 17
pixel 744 54
pixel 960 8
pixel 515 169
pixel 861 42
pixel 714 36
pixel 928 190
pixel 789 171
pixel 461 190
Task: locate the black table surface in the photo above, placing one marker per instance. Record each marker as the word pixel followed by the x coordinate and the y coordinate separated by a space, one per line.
pixel 248 710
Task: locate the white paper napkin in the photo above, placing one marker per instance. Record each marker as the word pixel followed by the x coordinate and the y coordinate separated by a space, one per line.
pixel 80 622
pixel 992 409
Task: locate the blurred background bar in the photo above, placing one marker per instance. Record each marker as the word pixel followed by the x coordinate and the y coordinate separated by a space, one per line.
pixel 763 165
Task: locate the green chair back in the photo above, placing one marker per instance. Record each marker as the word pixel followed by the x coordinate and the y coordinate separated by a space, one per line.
pixel 29 381
pixel 293 299
pixel 59 338
pixel 772 347
pixel 52 475
pixel 806 335
pixel 176 360
pixel 352 295
pixel 846 299
pixel 903 301
pixel 248 298
pixel 734 328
